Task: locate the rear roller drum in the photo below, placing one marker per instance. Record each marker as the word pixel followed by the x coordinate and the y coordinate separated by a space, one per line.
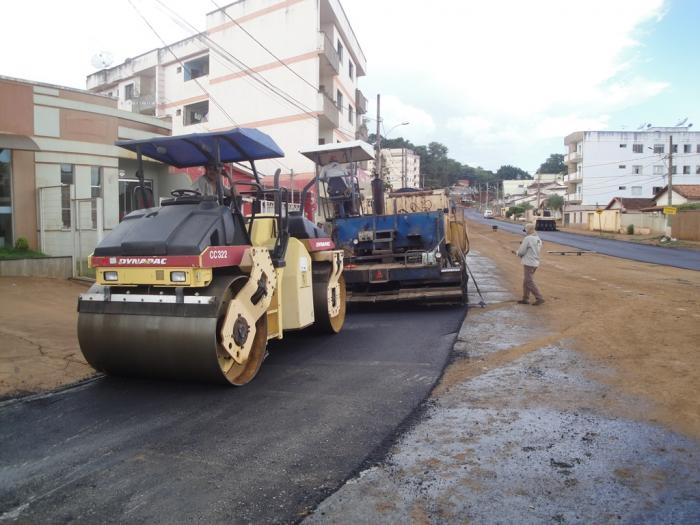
pixel 329 301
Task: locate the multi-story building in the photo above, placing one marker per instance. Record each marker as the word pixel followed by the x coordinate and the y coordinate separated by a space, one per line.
pixel 607 164
pixel 400 168
pixel 289 68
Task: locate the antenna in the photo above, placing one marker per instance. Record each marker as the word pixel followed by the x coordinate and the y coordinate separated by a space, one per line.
pixel 682 122
pixel 102 60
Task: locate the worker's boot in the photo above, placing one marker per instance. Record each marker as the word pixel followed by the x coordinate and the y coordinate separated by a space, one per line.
pixel 538 302
pixel 523 301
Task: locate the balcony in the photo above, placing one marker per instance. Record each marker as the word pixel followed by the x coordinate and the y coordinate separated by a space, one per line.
pixel 144 104
pixel 362 132
pixel 330 113
pixel 572 157
pixel 330 61
pixel 360 102
pixel 572 178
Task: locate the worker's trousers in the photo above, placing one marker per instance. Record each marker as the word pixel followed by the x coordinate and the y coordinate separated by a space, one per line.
pixel 529 283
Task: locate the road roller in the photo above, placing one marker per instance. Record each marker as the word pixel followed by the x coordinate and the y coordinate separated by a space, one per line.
pixel 193 289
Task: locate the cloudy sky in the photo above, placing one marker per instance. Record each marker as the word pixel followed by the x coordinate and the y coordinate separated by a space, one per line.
pixel 497 81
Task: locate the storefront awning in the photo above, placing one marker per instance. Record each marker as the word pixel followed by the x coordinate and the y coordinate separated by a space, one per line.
pixel 11 141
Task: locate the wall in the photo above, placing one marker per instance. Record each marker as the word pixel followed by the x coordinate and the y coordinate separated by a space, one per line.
pixel 59 267
pixel 686 225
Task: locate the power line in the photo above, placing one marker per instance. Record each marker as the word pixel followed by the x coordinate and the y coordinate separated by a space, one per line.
pixel 199 84
pixel 242 66
pixel 315 88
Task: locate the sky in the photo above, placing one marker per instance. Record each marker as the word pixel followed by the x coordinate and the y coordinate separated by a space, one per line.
pixel 497 81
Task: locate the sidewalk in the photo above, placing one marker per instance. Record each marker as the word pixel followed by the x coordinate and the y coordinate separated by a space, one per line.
pixel 529 425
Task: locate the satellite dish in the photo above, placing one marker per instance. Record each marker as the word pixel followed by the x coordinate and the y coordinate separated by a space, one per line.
pixel 641 126
pixel 102 60
pixel 682 122
pixel 649 125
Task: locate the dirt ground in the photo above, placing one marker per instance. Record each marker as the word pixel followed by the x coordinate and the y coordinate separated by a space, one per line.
pixel 641 322
pixel 38 340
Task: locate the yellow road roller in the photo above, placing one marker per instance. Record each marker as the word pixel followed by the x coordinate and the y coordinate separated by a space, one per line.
pixel 193 289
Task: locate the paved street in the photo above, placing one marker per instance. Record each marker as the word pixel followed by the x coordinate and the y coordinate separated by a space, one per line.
pixel 125 450
pixel 680 258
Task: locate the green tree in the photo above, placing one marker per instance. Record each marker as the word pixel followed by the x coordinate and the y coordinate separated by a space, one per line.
pixel 508 172
pixel 553 164
pixel 555 202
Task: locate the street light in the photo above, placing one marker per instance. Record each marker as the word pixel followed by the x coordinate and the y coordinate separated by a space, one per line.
pixel 386 135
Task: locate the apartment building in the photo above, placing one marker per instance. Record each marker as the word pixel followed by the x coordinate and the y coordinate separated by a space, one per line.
pixel 289 68
pixel 63 182
pixel 627 164
pixel 400 168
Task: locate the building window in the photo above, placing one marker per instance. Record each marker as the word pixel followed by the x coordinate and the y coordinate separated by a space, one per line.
pixel 697 170
pixel 638 148
pixel 321 142
pixel 196 68
pixel 658 148
pixel 623 145
pixel 129 91
pixel 196 113
pixel 340 51
pixel 658 170
pixel 636 191
pixel 622 187
pixel 339 99
pixel 656 189
pixel 351 69
pixel 351 113
pixel 66 181
pixel 687 148
pixel 697 148
pixel 674 170
pixel 5 198
pixel 622 166
pixel 178 112
pixel 686 170
pixel 95 190
pixel 637 170
pixel 675 148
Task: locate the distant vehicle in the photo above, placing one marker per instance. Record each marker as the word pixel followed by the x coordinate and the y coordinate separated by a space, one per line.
pixel 488 214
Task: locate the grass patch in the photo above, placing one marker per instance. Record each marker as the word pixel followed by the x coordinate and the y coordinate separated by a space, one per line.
pixel 14 253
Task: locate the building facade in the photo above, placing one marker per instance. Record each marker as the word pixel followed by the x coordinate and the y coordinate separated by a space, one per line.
pixel 400 168
pixel 63 182
pixel 289 68
pixel 629 164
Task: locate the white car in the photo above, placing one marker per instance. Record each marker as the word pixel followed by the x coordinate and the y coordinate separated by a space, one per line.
pixel 488 214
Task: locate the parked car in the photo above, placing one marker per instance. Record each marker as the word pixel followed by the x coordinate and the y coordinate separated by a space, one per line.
pixel 488 214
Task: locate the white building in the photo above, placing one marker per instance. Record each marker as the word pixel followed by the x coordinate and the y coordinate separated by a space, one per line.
pixel 607 164
pixel 401 168
pixel 288 68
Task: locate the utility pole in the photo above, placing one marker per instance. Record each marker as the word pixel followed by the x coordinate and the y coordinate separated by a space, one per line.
pixel 486 197
pixel 670 169
pixel 539 179
pixel 378 181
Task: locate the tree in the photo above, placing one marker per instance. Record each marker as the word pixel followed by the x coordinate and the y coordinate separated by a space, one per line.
pixel 509 172
pixel 554 164
pixel 555 202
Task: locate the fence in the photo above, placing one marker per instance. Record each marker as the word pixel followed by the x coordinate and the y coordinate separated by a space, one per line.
pixel 69 226
pixel 686 225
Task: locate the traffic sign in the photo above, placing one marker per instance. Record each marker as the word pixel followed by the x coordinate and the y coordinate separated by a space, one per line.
pixel 670 210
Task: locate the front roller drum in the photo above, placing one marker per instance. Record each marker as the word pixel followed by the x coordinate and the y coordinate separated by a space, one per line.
pixel 329 299
pixel 172 347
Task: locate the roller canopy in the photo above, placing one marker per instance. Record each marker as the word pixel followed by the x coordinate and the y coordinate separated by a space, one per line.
pixel 199 149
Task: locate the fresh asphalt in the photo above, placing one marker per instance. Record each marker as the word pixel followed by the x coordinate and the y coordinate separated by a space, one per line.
pixel 680 258
pixel 123 450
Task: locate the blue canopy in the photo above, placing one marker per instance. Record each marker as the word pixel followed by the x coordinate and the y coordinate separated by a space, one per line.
pixel 199 149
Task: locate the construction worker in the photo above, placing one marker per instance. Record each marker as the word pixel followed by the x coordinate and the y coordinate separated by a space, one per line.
pixel 206 184
pixel 529 253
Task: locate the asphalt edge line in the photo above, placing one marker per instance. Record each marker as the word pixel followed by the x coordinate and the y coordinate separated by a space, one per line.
pixel 380 452
pixel 28 398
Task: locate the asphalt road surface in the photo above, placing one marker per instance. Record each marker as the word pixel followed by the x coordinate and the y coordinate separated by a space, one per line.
pixel 120 450
pixel 689 259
